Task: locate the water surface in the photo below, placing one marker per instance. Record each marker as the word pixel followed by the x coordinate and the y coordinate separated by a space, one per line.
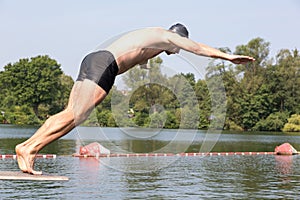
pixel 202 177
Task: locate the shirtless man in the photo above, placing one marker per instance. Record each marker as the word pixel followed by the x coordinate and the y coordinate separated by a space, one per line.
pixel 97 74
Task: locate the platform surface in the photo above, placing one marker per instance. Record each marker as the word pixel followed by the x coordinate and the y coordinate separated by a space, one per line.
pixel 18 175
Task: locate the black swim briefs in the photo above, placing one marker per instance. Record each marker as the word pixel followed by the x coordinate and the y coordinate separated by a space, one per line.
pixel 100 67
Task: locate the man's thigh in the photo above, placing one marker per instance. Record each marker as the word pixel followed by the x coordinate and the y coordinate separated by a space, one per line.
pixel 85 96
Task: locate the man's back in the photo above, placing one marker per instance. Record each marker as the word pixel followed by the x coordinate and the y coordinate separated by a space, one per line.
pixel 137 47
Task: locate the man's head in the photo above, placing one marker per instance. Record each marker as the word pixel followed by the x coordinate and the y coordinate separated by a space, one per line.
pixel 180 30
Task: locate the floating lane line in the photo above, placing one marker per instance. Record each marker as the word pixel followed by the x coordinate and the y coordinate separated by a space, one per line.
pixel 178 154
pixel 53 156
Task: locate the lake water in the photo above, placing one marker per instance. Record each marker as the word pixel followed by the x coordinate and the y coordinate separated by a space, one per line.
pixel 200 177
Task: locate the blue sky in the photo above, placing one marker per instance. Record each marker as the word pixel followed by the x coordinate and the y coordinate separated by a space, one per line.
pixel 67 30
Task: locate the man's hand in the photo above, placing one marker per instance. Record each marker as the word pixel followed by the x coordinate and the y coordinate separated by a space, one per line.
pixel 237 59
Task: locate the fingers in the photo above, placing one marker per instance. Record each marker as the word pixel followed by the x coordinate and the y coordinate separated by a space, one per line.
pixel 246 58
pixel 243 59
pixel 251 59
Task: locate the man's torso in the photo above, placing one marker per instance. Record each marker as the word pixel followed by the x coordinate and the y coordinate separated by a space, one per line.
pixel 137 47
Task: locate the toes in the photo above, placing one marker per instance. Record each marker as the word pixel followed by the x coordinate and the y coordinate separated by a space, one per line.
pixel 33 172
pixel 36 172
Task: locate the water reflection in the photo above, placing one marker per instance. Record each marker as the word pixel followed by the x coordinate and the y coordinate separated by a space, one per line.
pixel 89 165
pixel 284 164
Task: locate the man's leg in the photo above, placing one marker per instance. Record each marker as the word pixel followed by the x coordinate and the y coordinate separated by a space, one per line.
pixel 85 95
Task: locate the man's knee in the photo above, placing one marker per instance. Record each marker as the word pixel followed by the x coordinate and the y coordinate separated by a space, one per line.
pixel 80 118
pixel 80 115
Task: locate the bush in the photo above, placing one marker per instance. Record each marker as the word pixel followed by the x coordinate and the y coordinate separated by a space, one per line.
pixel 231 125
pixel 274 122
pixel 293 124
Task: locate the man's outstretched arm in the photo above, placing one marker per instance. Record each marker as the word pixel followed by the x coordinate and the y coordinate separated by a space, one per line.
pixel 215 53
pixel 205 50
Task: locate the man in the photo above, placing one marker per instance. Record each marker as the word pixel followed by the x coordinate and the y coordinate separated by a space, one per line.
pixel 97 74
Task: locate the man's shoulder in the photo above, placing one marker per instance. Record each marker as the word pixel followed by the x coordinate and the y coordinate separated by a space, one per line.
pixel 150 34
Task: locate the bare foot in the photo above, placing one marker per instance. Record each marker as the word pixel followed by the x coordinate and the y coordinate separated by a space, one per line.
pixel 26 160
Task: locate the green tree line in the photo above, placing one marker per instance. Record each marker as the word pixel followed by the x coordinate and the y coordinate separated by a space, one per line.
pixel 32 90
pixel 261 96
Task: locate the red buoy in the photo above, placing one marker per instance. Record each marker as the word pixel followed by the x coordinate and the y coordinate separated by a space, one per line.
pixel 285 149
pixel 93 149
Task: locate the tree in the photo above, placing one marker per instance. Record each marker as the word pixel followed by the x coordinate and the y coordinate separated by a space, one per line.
pixel 253 73
pixel 204 101
pixel 252 94
pixel 286 81
pixel 33 81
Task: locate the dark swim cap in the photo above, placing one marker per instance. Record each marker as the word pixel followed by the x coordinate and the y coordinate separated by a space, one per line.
pixel 180 30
